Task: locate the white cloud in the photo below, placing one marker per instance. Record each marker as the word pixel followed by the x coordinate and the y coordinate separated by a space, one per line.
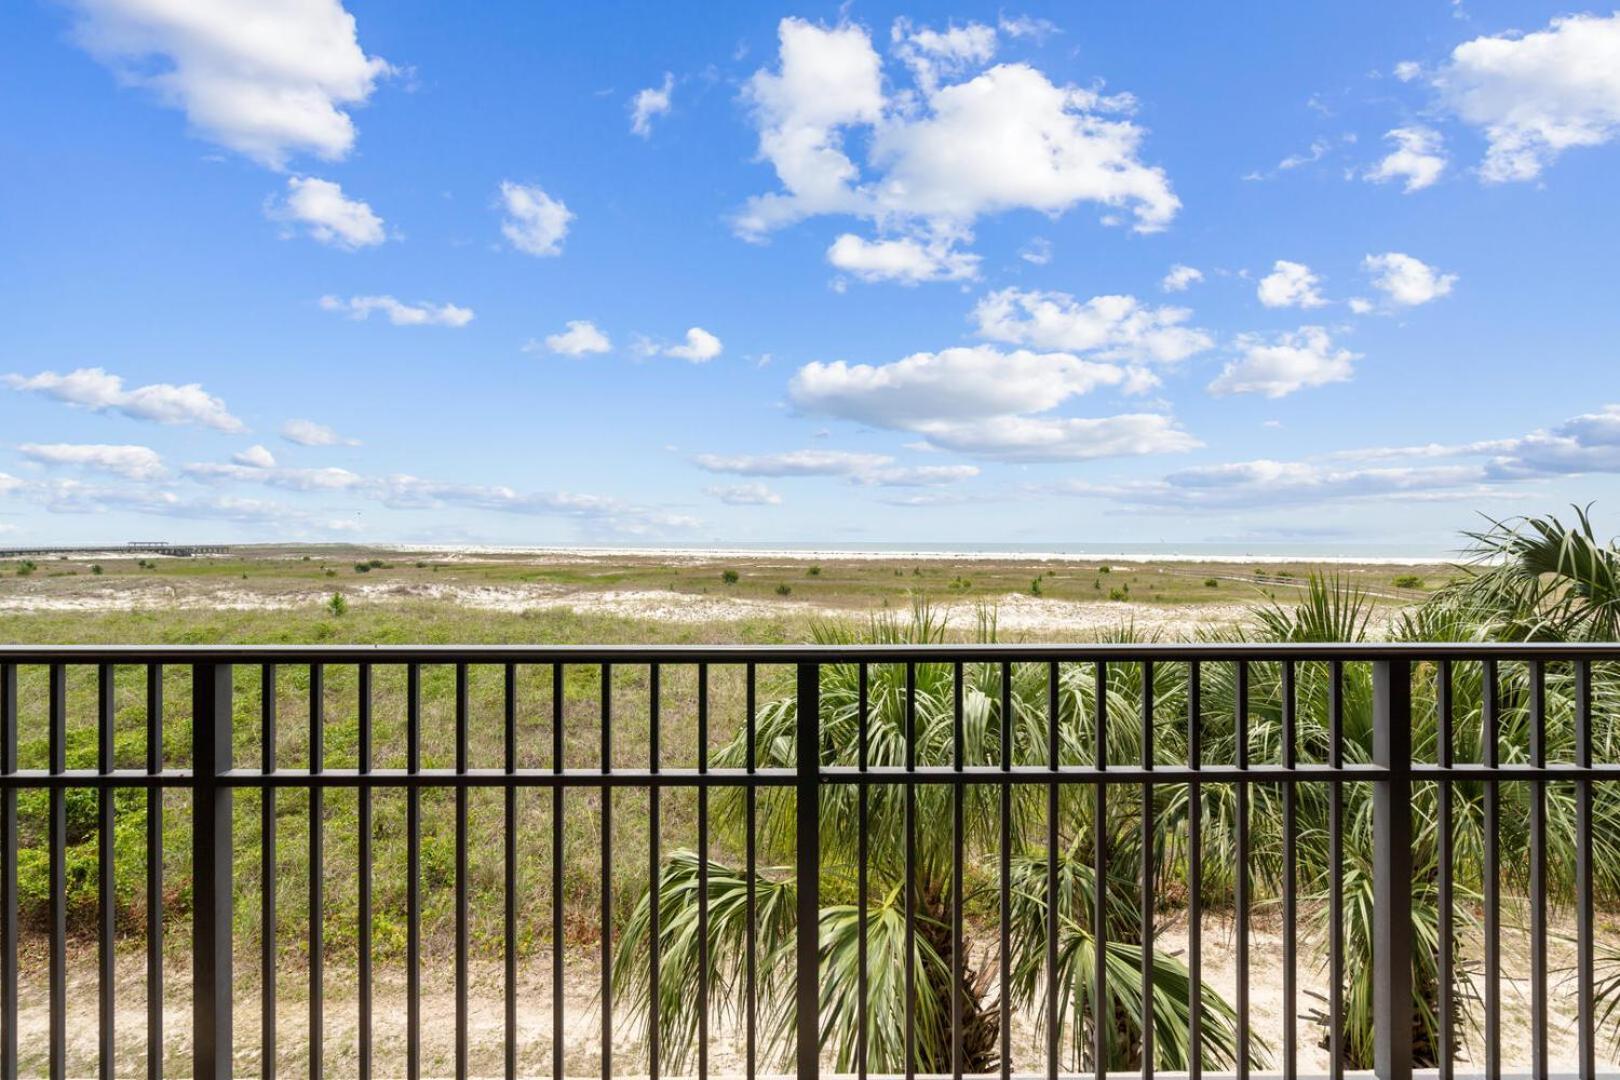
pixel 1419 158
pixel 953 384
pixel 858 468
pixel 1318 150
pixel 1109 327
pixel 700 347
pixel 982 401
pixel 535 223
pixel 1359 305
pixel 309 433
pixel 256 457
pixel 744 494
pixel 97 390
pixel 132 462
pixel 595 512
pixel 648 103
pixel 1407 70
pixel 1281 364
pixel 1290 284
pixel 1030 26
pixel 266 78
pixel 1037 252
pixel 931 54
pixel 1050 439
pixel 1405 280
pixel 1265 483
pixel 906 260
pixel 327 214
pixel 422 313
pixel 1006 139
pixel 1181 277
pixel 9 483
pixel 1538 94
pixel 580 338
pixel 272 475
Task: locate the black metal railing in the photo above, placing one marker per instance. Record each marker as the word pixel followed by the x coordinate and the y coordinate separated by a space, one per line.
pixel 226 758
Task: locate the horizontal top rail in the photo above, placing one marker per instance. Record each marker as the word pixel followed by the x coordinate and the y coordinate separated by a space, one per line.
pixel 810 654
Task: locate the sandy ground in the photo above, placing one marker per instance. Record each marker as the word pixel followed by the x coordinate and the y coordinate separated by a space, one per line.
pixel 582 1016
pixel 1015 613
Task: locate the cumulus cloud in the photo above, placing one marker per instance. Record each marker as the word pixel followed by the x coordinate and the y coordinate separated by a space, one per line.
pixel 1405 280
pixel 942 155
pixel 265 78
pixel 422 313
pixel 1108 327
pixel 99 391
pixel 133 462
pixel 326 214
pixel 1280 364
pixel 1418 158
pixel 1181 277
pixel 255 456
pixel 858 468
pixel 273 475
pixel 535 223
pixel 650 102
pixel 743 494
pixel 309 433
pixel 906 260
pixel 699 348
pixel 1537 95
pixel 983 401
pixel 1290 284
pixel 579 338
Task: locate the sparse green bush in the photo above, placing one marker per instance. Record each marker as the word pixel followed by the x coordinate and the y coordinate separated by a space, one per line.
pixel 1211 583
pixel 1105 569
pixel 814 571
pixel 1119 594
pixel 783 589
pixel 95 568
pixel 362 568
pixel 337 604
pixel 1408 581
pixel 1035 587
pixel 730 577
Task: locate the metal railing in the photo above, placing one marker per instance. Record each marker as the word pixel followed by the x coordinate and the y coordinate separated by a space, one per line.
pixel 218 766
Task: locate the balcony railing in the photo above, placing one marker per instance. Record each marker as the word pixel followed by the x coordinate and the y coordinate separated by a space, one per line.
pixel 1051 745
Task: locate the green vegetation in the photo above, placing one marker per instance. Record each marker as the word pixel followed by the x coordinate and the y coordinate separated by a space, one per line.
pixel 1212 583
pixel 338 605
pixel 730 577
pixel 784 589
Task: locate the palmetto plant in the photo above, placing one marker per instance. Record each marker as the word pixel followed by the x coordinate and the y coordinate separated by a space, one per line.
pixel 1027 730
pixel 1531 580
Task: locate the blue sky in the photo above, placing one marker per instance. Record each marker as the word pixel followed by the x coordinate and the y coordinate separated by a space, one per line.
pixel 911 273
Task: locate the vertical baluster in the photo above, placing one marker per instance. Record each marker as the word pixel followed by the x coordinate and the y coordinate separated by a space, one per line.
pixel 1004 957
pixel 557 910
pixel 413 874
pixel 317 871
pixel 958 827
pixel 1147 884
pixel 862 991
pixel 57 838
pixel 807 866
pixel 1290 973
pixel 462 913
pixel 1102 1019
pixel 1585 926
pixel 1491 871
pixel 911 873
pixel 653 871
pixel 1537 675
pixel 703 870
pixel 106 901
pixel 363 828
pixel 1443 756
pixel 752 811
pixel 509 915
pixel 607 874
pixel 267 873
pixel 1336 870
pixel 211 975
pixel 1394 1016
pixel 1195 874
pixel 8 873
pixel 1242 869
pixel 154 876
pixel 1054 1021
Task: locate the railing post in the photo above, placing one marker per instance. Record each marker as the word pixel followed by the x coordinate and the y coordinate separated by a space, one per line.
pixel 1392 870
pixel 211 870
pixel 808 871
